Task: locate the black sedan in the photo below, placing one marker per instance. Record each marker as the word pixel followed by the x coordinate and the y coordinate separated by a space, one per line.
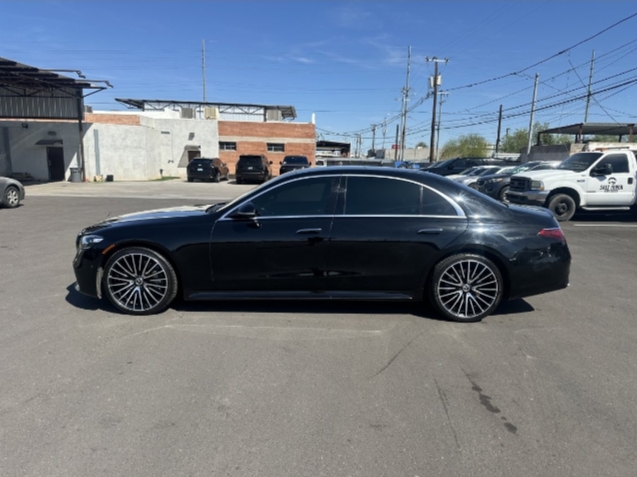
pixel 355 233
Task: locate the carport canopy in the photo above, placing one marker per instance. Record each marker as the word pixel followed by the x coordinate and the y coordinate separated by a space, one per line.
pixel 583 129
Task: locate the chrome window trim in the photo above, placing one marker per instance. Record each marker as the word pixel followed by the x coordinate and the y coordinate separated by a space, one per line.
pixel 225 216
pixel 380 216
pixel 457 208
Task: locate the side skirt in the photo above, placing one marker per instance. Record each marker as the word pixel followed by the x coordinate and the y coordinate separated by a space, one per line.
pixel 299 295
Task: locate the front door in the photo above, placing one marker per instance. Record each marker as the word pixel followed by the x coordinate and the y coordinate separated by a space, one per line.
pixel 284 248
pixel 615 189
pixel 55 160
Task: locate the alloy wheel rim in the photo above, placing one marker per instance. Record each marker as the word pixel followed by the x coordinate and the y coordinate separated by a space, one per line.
pixel 137 282
pixel 468 288
pixel 12 197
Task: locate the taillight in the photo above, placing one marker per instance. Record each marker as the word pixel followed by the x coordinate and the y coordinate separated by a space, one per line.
pixel 554 233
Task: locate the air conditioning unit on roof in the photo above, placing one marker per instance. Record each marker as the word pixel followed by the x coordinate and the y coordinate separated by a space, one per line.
pixel 187 113
pixel 211 113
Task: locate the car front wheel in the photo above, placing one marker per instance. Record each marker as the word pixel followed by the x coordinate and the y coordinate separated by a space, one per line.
pixel 11 197
pixel 466 287
pixel 139 281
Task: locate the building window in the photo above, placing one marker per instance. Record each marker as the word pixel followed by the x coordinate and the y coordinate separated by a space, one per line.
pixel 276 147
pixel 227 146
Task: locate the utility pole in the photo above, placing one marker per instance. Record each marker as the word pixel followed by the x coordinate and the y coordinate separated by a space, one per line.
pixel 442 93
pixel 528 145
pixel 396 144
pixel 590 82
pixel 374 138
pixel 497 141
pixel 384 132
pixel 434 85
pixel 403 121
pixel 203 67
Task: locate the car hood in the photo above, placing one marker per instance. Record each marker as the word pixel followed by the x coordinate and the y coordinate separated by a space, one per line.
pixel 153 215
pixel 553 174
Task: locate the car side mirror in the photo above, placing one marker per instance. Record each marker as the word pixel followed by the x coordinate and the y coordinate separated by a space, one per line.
pixel 280 163
pixel 602 170
pixel 270 163
pixel 245 211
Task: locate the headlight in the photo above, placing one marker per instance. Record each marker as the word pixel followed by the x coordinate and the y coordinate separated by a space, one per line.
pixel 537 185
pixel 87 241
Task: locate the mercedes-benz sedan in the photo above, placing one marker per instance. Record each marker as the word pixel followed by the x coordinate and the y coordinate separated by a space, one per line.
pixel 354 233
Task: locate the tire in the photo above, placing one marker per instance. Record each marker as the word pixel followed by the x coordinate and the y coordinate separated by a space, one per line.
pixel 238 181
pixel 190 179
pixel 563 207
pixel 139 281
pixel 217 177
pixel 11 197
pixel 465 300
pixel 502 195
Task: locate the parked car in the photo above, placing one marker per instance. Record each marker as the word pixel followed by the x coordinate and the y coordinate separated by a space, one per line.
pixel 293 163
pixel 11 192
pixel 471 180
pixel 253 167
pixel 455 166
pixel 390 234
pixel 204 169
pixel 497 185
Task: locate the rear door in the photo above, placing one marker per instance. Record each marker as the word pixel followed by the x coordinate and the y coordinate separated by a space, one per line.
pixel 386 233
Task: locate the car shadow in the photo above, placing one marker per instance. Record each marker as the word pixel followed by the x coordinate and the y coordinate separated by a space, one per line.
pixel 620 216
pixel 420 310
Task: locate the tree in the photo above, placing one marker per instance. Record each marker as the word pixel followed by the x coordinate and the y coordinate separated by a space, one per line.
pixel 518 141
pixel 469 145
pixel 606 138
pixel 421 144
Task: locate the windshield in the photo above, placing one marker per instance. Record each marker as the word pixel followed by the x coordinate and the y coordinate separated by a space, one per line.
pixel 470 171
pixel 295 160
pixel 441 164
pixel 580 162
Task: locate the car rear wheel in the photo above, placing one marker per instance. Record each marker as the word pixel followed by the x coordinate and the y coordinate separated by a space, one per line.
pixel 11 197
pixel 139 281
pixel 190 179
pixel 466 287
pixel 563 207
pixel 216 177
pixel 502 196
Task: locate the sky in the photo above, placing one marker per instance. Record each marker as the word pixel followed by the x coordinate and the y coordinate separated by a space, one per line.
pixel 346 61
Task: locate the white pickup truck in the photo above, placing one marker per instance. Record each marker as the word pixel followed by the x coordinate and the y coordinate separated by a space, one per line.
pixel 595 180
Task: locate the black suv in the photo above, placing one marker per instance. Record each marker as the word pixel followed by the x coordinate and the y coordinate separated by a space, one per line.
pixel 457 165
pixel 294 163
pixel 207 170
pixel 254 167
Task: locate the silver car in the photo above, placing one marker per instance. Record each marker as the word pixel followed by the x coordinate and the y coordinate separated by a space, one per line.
pixel 11 192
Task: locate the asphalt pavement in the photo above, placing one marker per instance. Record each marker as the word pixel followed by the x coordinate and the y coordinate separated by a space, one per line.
pixel 545 387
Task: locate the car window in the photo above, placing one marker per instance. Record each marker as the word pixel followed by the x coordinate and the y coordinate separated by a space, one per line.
pixel 200 162
pixel 462 164
pixel 296 198
pixel 433 203
pixel 619 162
pixel 388 196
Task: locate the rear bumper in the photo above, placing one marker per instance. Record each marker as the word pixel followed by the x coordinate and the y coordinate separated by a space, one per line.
pixel 251 176
pixel 540 271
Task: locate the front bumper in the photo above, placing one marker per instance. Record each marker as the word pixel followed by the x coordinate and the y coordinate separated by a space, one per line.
pixel 528 197
pixel 87 266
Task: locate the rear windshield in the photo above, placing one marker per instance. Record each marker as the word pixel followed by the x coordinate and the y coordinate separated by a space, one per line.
pixel 250 159
pixel 201 162
pixel 295 160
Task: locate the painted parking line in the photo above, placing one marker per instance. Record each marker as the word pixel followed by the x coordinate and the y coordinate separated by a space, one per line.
pixel 628 226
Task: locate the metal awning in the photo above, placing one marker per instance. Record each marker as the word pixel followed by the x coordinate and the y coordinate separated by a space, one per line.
pixel 607 129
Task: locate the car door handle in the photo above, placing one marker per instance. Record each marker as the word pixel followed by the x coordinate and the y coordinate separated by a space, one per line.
pixel 429 231
pixel 308 231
